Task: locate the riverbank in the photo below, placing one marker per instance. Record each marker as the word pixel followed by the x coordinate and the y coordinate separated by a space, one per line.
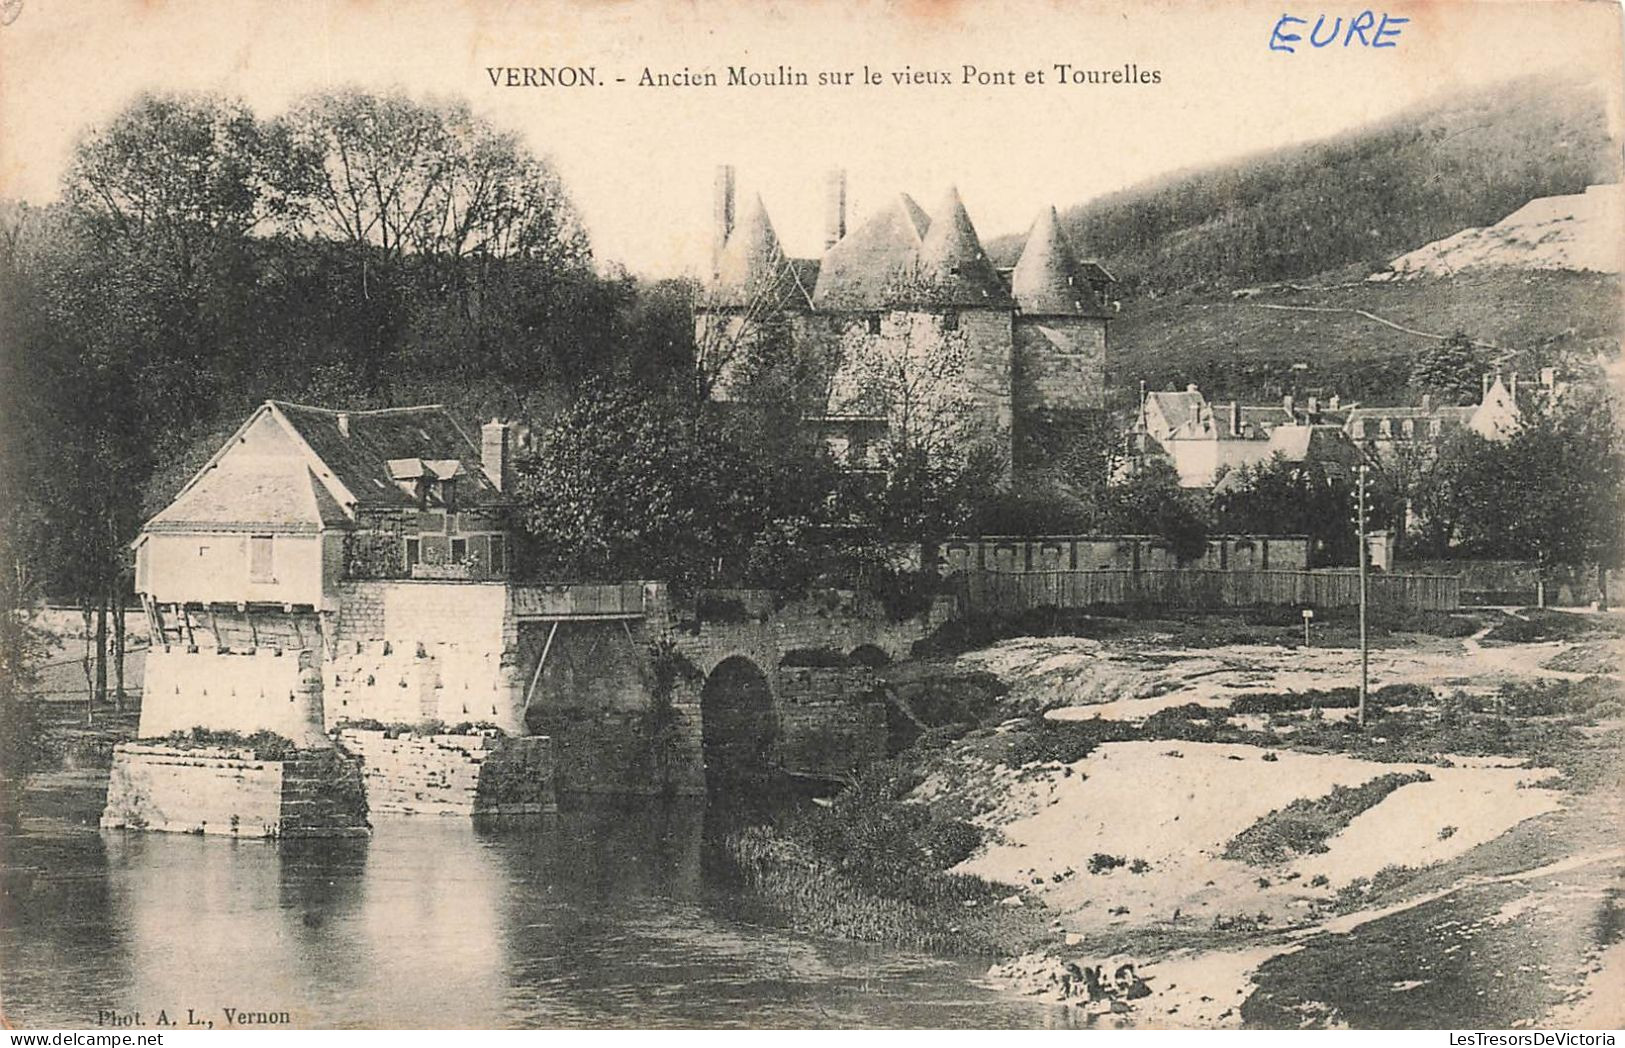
pixel 1202 836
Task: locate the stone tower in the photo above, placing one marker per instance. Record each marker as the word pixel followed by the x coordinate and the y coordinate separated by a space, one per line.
pixel 1059 366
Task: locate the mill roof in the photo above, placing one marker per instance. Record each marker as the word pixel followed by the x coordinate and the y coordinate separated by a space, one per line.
pixel 1048 280
pixel 359 451
pixel 276 496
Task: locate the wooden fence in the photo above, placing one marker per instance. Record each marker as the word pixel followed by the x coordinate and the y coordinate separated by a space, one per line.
pixel 991 591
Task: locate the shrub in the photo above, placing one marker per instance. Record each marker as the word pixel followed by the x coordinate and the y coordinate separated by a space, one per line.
pixel 714 607
pixel 1100 862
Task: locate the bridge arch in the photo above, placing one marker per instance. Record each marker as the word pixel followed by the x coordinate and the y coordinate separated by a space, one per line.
pixel 738 724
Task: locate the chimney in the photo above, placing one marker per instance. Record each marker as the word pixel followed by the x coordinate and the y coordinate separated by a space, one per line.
pixel 496 453
pixel 1235 418
pixel 1548 378
pixel 834 207
pixel 1427 401
pixel 722 214
pixel 1286 402
pixel 1191 388
pixel 1334 403
pixel 1314 407
pixel 1483 386
pixel 344 424
pixel 1513 388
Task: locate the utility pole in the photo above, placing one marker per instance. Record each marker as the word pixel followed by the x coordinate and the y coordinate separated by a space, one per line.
pixel 1365 662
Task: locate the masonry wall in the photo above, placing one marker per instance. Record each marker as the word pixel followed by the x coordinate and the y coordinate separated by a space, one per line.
pixel 1123 553
pixel 831 720
pixel 1059 365
pixel 454 774
pixel 246 692
pixel 231 792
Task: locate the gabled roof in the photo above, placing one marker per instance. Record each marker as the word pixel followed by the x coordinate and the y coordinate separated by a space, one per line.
pixel 952 269
pixel 1047 280
pixel 276 496
pixel 1177 408
pixel 359 451
pixel 862 269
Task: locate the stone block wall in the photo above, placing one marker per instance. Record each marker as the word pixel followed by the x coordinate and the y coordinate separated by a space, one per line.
pixel 231 792
pixel 832 721
pixel 625 750
pixel 452 774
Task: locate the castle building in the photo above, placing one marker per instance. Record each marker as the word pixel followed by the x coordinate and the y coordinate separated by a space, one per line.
pixel 913 336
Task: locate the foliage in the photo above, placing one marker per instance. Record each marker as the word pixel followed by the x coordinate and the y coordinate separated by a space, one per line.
pixel 1450 370
pixel 1151 502
pixel 266 745
pixel 1554 492
pixel 1277 497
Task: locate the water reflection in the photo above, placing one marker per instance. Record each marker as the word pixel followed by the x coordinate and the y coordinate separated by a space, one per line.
pixel 606 914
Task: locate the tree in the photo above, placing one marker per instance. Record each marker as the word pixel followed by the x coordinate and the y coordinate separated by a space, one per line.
pixel 1554 492
pixel 627 485
pixel 1279 496
pixel 1450 370
pixel 1151 502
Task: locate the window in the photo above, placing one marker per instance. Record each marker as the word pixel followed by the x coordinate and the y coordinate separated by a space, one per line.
pixel 499 555
pixel 1409 428
pixel 459 550
pixel 950 320
pixel 1386 427
pixel 261 559
pixel 414 553
pixel 1433 428
pixel 874 323
pixel 203 551
pixel 1359 429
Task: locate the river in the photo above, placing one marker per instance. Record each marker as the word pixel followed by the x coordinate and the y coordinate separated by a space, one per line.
pixel 605 915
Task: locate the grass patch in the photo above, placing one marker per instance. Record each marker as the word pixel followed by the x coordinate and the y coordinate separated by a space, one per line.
pixel 1535 625
pixel 266 745
pixel 1304 826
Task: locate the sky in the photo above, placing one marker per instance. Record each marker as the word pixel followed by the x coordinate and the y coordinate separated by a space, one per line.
pixel 639 162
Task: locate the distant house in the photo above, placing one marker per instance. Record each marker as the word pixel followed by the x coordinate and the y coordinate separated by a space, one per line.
pixel 1384 431
pixel 301 498
pixel 1205 441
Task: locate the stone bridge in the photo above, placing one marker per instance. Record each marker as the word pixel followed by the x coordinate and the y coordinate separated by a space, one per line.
pixel 733 686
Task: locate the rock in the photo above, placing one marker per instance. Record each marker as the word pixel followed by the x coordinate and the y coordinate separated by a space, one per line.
pixel 1011 900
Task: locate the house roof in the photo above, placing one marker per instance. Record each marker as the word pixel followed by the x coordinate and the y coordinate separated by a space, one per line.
pixel 276 496
pixel 358 454
pixel 1047 280
pixel 1176 407
pixel 862 269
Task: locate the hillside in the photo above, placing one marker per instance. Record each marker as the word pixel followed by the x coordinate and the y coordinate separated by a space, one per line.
pixel 1359 199
pixel 1246 347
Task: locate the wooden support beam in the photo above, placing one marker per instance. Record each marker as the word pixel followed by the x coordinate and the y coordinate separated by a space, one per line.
pixel 191 640
pixel 536 678
pixel 253 631
pixel 214 624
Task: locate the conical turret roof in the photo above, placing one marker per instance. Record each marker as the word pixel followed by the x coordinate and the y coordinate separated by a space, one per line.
pixel 952 269
pixel 1048 280
pixel 752 261
pixel 859 270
